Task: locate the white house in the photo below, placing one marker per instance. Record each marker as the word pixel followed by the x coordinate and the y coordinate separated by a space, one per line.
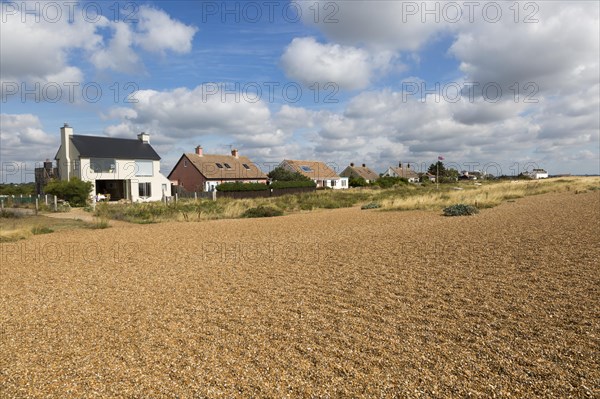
pixel 538 174
pixel 402 171
pixel 318 172
pixel 123 168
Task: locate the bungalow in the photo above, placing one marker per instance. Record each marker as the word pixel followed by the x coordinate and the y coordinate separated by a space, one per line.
pixel 196 172
pixel 360 172
pixel 317 171
pixel 538 174
pixel 126 169
pixel 403 171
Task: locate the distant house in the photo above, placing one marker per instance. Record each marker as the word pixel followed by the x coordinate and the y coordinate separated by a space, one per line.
pixel 538 174
pixel 402 171
pixel 317 171
pixel 429 177
pixel 196 172
pixel 126 169
pixel 360 172
pixel 472 175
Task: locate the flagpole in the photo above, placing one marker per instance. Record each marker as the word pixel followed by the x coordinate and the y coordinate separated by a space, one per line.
pixel 437 174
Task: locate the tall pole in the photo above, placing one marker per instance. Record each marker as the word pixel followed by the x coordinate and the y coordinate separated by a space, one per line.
pixel 437 175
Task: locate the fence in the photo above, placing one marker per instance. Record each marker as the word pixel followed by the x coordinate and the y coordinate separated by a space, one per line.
pixel 29 201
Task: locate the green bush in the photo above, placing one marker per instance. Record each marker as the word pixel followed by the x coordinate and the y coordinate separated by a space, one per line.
pixel 41 230
pixel 371 205
pixel 357 182
pixel 282 174
pixel 280 184
pixel 75 191
pixel 239 186
pixel 389 181
pixel 262 212
pixel 460 210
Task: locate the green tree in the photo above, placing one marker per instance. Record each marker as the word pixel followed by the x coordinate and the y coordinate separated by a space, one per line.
pixel 75 191
pixel 435 167
pixel 282 174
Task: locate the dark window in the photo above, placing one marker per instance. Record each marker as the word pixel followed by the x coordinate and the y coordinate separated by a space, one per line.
pixel 144 189
pixel 245 165
pixel 306 169
pixel 219 166
pixel 227 165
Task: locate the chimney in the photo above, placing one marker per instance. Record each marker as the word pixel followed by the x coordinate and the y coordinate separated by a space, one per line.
pixel 352 164
pixel 364 165
pixel 400 165
pixel 144 137
pixel 199 150
pixel 234 153
pixel 66 132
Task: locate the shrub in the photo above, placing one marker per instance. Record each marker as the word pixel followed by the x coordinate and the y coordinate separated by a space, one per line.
pixel 293 184
pixel 388 181
pixel 460 210
pixel 4 214
pixel 239 186
pixel 357 182
pixel 75 191
pixel 282 174
pixel 262 212
pixel 41 230
pixel 371 205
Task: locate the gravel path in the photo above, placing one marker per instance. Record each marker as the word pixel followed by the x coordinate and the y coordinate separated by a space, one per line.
pixel 332 304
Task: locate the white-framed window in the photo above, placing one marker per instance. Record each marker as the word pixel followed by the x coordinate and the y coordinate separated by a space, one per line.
pixel 145 189
pixel 185 163
pixel 144 168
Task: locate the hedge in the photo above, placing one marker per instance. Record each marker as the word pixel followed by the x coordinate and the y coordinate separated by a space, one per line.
pixel 293 184
pixel 239 186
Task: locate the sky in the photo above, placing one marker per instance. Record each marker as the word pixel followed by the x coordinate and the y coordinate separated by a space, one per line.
pixel 501 86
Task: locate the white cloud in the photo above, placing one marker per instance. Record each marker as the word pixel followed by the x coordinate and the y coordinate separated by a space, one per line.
pixel 311 62
pixel 158 32
pixel 39 49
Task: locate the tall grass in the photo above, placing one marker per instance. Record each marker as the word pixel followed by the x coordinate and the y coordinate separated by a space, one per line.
pixel 402 197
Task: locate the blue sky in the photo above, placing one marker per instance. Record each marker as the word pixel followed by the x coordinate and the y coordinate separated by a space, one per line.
pixel 194 69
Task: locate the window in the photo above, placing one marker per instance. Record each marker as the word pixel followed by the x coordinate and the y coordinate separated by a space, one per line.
pixel 145 189
pixel 306 169
pixel 245 165
pixel 143 168
pixel 333 183
pixel 219 166
pixel 185 163
pixel 102 165
pixel 227 165
pixel 343 183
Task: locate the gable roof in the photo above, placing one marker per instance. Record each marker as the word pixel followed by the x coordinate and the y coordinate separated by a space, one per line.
pixel 405 172
pixel 315 170
pixel 112 147
pixel 360 171
pixel 207 165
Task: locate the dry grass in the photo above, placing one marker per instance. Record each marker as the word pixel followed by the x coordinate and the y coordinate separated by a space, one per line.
pixel 331 304
pixel 489 195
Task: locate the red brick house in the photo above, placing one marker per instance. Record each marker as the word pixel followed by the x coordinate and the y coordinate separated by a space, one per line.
pixel 197 171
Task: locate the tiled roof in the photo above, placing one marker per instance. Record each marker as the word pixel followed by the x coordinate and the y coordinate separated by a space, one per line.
pixel 405 172
pixel 208 165
pixel 315 170
pixel 360 171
